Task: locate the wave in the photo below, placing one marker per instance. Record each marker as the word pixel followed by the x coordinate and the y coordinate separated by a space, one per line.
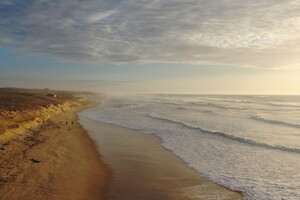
pixel 290 104
pixel 230 100
pixel 159 99
pixel 171 103
pixel 274 121
pixel 165 101
pixel 122 106
pixel 195 103
pixel 261 96
pixel 227 136
pixel 216 105
pixel 198 103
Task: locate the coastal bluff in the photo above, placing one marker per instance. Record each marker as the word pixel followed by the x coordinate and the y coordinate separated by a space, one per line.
pixel 41 155
pixel 22 110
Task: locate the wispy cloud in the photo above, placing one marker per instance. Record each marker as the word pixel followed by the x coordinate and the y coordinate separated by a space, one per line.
pixel 257 33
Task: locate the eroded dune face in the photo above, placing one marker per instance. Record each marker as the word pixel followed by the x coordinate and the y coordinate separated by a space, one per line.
pixel 17 122
pixel 44 152
pixel 21 109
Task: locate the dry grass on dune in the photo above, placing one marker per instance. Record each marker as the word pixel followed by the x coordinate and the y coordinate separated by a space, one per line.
pixel 18 106
pixel 41 156
pixel 20 99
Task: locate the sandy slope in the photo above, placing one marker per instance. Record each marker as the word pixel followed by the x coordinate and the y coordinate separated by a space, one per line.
pixel 55 161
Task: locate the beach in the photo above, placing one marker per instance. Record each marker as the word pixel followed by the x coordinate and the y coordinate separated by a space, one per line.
pixel 142 169
pixel 54 160
pixel 50 150
pixel 149 100
pixel 244 143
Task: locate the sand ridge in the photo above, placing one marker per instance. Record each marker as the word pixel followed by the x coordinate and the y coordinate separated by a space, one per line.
pixel 54 161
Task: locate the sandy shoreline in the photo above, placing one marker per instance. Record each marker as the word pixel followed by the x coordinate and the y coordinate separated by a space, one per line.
pixel 55 161
pixel 61 161
pixel 142 169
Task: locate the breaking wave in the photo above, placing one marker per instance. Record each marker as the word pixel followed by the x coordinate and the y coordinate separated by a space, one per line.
pixel 274 121
pixel 228 136
pixel 220 106
pixel 290 104
pixel 230 100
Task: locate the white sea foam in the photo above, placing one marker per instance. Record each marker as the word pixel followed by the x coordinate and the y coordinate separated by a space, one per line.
pixel 228 136
pixel 229 100
pixel 285 104
pixel 241 149
pixel 275 121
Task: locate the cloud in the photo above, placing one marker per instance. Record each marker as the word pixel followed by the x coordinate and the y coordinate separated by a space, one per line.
pixel 256 33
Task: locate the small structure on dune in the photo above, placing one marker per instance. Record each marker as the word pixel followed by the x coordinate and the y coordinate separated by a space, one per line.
pixel 51 95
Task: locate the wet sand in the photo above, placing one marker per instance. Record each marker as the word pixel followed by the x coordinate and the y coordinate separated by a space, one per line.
pixel 142 169
pixel 54 162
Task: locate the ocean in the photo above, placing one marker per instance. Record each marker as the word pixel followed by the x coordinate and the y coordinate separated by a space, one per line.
pixel 245 143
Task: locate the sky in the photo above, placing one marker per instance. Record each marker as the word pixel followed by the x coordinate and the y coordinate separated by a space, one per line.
pixel 152 46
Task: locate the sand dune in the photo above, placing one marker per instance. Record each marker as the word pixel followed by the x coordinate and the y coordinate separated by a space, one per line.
pixel 52 161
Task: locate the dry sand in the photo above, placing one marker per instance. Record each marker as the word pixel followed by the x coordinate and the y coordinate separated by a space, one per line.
pixel 55 162
pixel 143 170
pixel 60 162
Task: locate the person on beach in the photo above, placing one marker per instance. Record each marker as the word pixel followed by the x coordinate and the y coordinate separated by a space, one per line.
pixel 67 122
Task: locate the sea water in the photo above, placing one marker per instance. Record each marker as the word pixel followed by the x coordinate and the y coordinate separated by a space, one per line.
pixel 245 143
